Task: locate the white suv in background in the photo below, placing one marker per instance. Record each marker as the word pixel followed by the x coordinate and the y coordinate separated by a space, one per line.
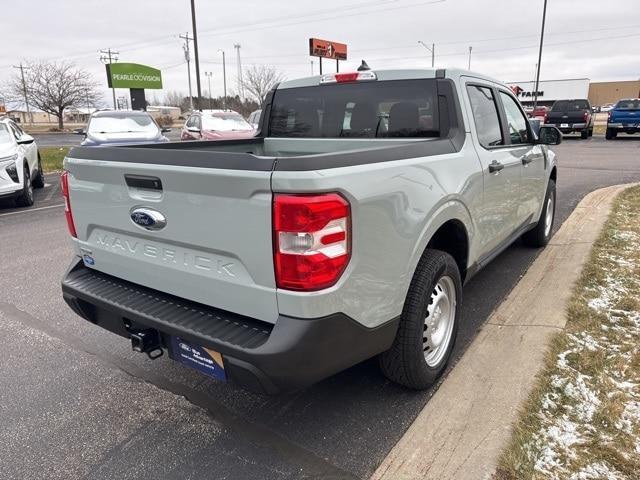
pixel 20 165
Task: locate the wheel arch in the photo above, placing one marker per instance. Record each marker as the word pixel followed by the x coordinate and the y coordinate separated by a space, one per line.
pixel 452 237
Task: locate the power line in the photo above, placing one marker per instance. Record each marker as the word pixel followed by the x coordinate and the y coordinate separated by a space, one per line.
pixel 24 89
pixel 109 56
pixel 187 57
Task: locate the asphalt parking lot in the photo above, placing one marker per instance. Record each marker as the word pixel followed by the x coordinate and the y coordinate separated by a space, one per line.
pixel 80 404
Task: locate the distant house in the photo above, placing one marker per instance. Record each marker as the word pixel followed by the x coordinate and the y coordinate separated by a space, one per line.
pixel 164 111
pixel 21 116
pixel 78 115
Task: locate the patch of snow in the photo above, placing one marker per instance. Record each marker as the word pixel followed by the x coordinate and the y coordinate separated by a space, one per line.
pixel 594 471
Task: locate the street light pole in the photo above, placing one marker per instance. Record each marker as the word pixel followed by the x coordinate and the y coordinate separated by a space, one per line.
pixel 195 49
pixel 535 93
pixel 470 48
pixel 224 79
pixel 432 49
pixel 209 75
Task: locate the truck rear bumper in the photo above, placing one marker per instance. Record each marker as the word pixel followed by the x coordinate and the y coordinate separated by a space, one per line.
pixel 289 355
pixel 633 127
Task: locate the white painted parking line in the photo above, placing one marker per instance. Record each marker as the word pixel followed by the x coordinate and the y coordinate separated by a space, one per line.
pixel 31 210
pixel 51 192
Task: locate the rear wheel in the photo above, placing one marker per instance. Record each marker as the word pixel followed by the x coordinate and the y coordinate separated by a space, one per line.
pixel 26 197
pixel 591 132
pixel 611 134
pixel 541 234
pixel 584 134
pixel 38 180
pixel 429 323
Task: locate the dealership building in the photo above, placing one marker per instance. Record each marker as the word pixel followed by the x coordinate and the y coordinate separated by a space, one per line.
pixel 598 93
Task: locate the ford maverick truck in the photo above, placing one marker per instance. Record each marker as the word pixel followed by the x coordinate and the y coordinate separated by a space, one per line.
pixel 343 231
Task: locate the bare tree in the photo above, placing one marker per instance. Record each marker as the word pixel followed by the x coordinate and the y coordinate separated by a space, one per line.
pixel 259 79
pixel 173 98
pixel 52 87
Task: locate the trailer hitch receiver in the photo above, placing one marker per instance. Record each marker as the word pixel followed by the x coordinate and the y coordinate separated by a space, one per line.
pixel 147 341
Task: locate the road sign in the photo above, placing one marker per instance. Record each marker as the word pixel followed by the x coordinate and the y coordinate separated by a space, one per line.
pixel 133 75
pixel 327 49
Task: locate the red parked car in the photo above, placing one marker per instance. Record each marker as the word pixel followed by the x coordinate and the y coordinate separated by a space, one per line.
pixel 539 112
pixel 216 125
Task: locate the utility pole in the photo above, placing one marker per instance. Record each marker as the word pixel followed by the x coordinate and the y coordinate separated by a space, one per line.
pixel 187 57
pixel 470 48
pixel 224 80
pixel 240 82
pixel 432 49
pixel 195 48
pixel 24 91
pixel 209 75
pixel 110 56
pixel 312 68
pixel 535 93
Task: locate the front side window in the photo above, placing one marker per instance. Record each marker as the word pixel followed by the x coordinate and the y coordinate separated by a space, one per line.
pixel 5 136
pixel 516 121
pixel 375 109
pixel 485 116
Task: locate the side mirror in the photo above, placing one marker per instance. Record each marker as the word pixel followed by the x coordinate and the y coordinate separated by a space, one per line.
pixel 549 135
pixel 165 130
pixel 79 131
pixel 193 129
pixel 25 139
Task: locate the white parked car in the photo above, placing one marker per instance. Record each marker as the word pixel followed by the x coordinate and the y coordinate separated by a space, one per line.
pixel 20 165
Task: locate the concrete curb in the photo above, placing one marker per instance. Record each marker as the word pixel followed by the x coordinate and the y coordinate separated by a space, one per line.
pixel 465 426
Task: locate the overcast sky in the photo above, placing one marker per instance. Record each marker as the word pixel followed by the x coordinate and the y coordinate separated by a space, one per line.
pixel 593 39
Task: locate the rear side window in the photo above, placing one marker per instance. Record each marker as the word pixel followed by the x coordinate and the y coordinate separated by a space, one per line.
pixel 485 116
pixel 386 109
pixel 570 106
pixel 517 122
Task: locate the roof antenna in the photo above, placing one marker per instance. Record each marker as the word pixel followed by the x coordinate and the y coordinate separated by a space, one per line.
pixel 363 67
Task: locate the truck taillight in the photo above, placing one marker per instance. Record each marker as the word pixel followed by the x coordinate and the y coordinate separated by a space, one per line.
pixel 312 238
pixel 64 186
pixel 585 116
pixel 609 116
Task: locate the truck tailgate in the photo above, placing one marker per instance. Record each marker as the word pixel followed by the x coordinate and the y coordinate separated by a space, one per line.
pixel 216 246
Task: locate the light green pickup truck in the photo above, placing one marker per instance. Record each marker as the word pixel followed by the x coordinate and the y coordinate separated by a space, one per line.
pixel 344 230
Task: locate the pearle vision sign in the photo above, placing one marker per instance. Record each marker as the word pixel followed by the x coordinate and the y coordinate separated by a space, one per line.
pixel 133 75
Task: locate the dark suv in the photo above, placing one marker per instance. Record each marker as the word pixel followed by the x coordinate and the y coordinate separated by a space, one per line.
pixel 571 116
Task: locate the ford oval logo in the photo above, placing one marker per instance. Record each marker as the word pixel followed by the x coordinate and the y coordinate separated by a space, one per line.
pixel 148 218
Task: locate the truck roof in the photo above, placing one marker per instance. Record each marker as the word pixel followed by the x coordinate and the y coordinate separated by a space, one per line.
pixel 395 74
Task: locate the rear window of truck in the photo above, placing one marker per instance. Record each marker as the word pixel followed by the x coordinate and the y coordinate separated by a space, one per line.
pixel 628 105
pixel 375 109
pixel 570 106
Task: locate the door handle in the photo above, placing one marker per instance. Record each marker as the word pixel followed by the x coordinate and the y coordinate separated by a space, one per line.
pixel 526 160
pixel 495 166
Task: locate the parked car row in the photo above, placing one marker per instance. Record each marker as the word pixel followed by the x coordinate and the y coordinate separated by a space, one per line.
pixel 578 116
pixel 20 164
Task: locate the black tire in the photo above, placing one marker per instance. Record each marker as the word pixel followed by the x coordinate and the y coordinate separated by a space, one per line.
pixel 26 197
pixel 584 134
pixel 405 362
pixel 541 234
pixel 610 134
pixel 38 180
pixel 591 132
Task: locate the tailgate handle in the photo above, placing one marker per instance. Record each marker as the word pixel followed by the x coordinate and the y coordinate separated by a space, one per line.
pixel 143 181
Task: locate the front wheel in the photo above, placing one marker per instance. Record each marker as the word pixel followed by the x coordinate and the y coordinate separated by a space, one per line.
pixel 541 234
pixel 26 197
pixel 428 325
pixel 38 180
